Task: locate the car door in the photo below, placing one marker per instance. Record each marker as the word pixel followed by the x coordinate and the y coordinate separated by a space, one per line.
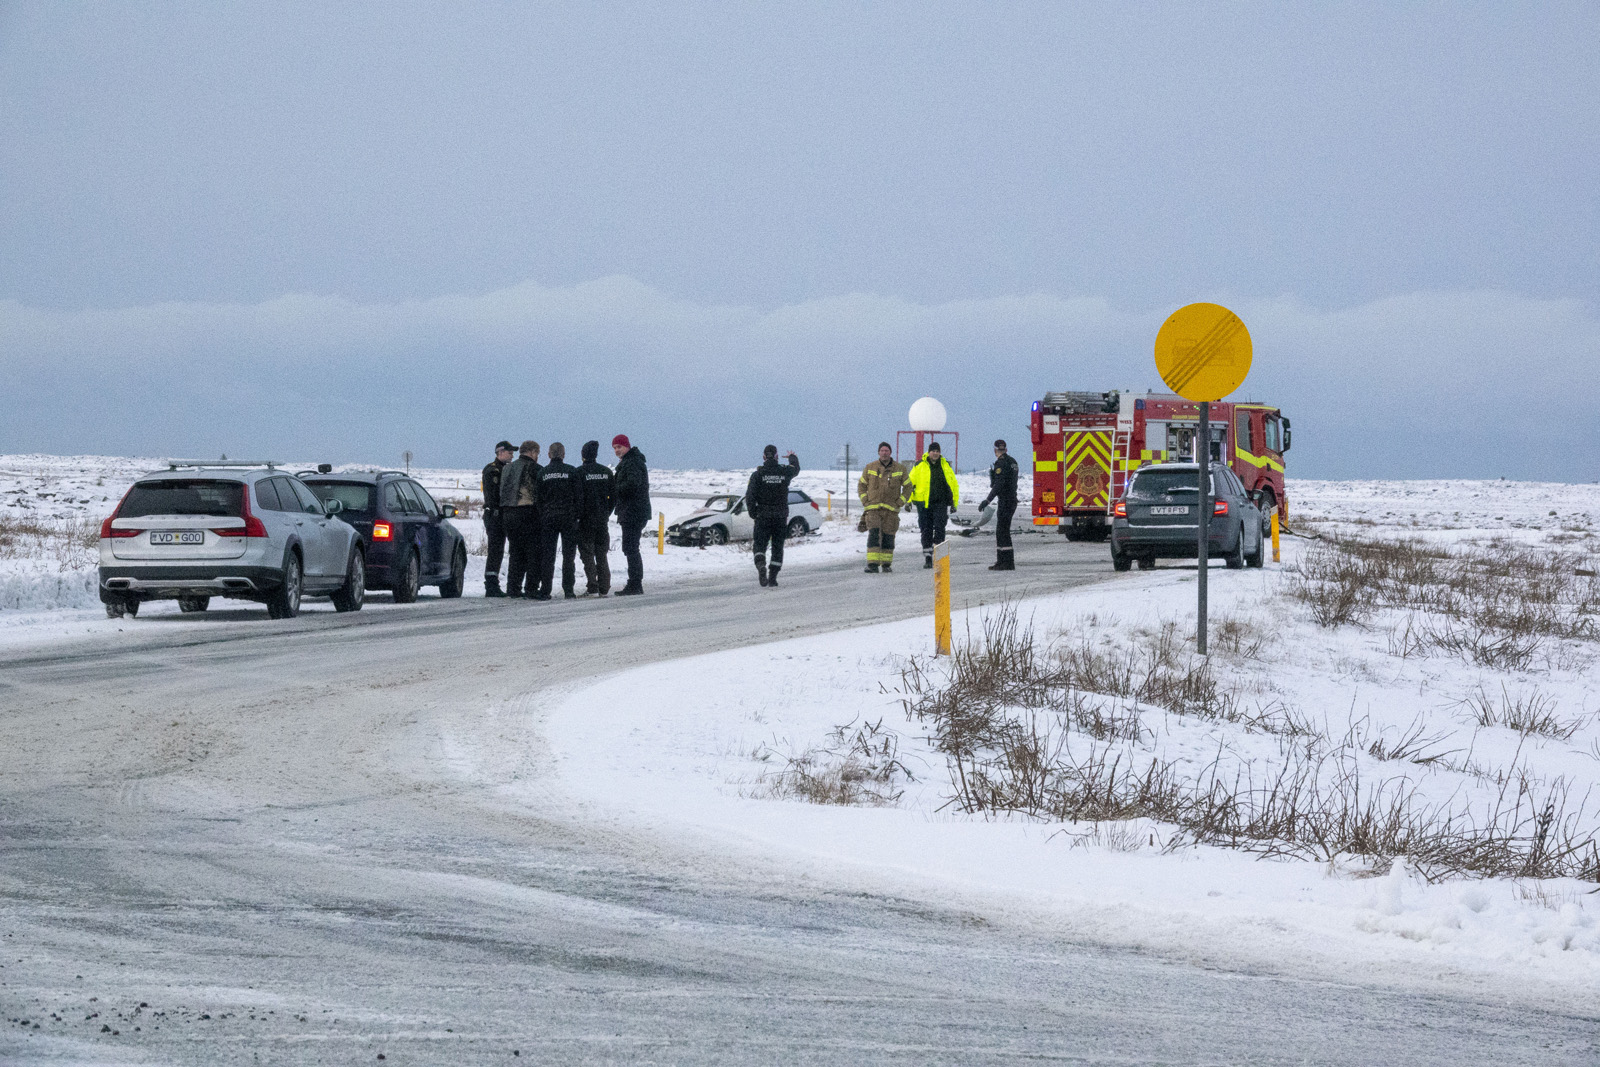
pixel 398 511
pixel 430 537
pixel 281 519
pixel 741 527
pixel 324 539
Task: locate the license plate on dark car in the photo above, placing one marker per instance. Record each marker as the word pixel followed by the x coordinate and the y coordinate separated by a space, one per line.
pixel 1184 510
pixel 177 537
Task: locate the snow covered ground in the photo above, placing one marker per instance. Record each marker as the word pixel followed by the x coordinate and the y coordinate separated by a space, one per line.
pixel 706 762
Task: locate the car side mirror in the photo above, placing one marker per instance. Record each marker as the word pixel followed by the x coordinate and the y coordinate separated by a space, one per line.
pixel 450 511
pixel 333 507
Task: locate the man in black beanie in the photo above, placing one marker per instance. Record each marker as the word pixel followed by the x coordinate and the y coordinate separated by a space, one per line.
pixel 596 499
pixel 493 529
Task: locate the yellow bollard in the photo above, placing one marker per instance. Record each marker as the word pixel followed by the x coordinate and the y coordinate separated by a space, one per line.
pixel 830 504
pixel 661 533
pixel 941 598
pixel 1274 535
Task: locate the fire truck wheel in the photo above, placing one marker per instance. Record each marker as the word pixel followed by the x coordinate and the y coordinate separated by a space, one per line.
pixel 1072 532
pixel 1119 561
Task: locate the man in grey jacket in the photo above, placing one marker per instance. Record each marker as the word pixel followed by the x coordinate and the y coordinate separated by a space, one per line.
pixel 519 513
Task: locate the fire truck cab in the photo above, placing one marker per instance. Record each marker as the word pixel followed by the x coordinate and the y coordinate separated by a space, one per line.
pixel 1085 445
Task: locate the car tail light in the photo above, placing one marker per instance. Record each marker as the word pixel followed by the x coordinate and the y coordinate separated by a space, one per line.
pixel 1120 510
pixel 253 527
pixel 814 506
pixel 1219 507
pixel 107 533
pixel 382 531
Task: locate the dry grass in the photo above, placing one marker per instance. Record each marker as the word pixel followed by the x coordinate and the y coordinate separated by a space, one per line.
pixel 1527 713
pixel 70 543
pixel 859 765
pixel 1497 605
pixel 1009 718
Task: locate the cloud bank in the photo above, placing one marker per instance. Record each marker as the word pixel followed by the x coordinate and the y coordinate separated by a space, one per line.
pixel 1431 384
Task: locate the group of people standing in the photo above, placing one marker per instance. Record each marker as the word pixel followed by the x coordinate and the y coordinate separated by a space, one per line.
pixel 534 509
pixel 929 485
pixel 537 509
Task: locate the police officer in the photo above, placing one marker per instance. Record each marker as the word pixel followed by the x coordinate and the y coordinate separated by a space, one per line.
pixel 518 497
pixel 558 518
pixel 936 493
pixel 1002 487
pixel 494 530
pixel 595 501
pixel 767 497
pixel 632 490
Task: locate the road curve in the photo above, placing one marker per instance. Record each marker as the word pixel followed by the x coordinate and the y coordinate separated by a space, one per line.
pixel 254 842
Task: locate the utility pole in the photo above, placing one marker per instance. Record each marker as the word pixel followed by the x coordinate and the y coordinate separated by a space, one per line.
pixel 407 455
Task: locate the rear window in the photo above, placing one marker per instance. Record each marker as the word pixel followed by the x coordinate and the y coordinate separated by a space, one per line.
pixel 353 495
pixel 1154 484
pixel 797 497
pixel 183 496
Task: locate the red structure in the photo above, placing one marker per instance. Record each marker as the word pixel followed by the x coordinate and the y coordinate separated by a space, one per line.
pixel 1086 444
pixel 949 445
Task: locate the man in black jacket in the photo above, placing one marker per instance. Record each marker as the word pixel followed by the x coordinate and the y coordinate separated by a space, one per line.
pixel 594 518
pixel 767 497
pixel 1002 487
pixel 493 529
pixel 558 494
pixel 632 489
pixel 518 512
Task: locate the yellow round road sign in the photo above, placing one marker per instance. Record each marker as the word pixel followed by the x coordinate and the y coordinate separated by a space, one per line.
pixel 1203 352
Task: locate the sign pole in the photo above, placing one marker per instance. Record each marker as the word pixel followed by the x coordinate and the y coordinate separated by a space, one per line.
pixel 1203 453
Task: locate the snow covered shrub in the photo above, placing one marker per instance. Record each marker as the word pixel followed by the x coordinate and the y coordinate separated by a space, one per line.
pixel 1526 713
pixel 859 765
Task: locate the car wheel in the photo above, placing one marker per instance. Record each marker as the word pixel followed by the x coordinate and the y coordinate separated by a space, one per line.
pixel 1235 559
pixel 1120 562
pixel 115 609
pixel 1147 563
pixel 353 593
pixel 451 588
pixel 285 600
pixel 193 603
pixel 1258 557
pixel 718 535
pixel 798 527
pixel 1269 504
pixel 405 585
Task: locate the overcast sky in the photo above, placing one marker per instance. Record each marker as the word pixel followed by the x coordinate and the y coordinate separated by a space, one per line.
pixel 340 231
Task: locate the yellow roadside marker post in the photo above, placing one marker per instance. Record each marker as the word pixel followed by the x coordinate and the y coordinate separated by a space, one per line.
pixel 661 533
pixel 1274 535
pixel 941 598
pixel 1203 354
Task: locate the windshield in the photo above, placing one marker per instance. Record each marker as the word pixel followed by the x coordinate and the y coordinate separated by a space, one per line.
pixel 183 496
pixel 720 503
pixel 355 496
pixel 1160 484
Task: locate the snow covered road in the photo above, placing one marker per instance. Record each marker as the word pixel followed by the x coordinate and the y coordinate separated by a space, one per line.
pixel 342 836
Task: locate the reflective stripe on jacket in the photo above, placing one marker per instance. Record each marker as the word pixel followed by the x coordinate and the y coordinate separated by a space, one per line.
pixel 884 486
pixel 922 478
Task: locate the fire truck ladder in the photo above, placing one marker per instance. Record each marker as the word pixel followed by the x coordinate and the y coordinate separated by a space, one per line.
pixel 1121 467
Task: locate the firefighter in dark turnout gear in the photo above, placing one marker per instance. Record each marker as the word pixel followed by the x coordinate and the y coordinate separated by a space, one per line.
pixel 595 502
pixel 493 529
pixel 767 497
pixel 632 490
pixel 936 493
pixel 1002 487
pixel 558 495
pixel 518 513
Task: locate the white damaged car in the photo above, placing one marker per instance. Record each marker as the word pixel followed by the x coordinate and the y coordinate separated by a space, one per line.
pixel 725 518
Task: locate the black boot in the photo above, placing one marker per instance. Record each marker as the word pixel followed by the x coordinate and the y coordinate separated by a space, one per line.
pixel 631 589
pixel 761 568
pixel 927 561
pixel 872 568
pixel 491 585
pixel 888 568
pixel 772 577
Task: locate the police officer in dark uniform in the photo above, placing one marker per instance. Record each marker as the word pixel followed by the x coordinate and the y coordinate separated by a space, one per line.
pixel 596 498
pixel 558 517
pixel 1002 486
pixel 767 497
pixel 494 530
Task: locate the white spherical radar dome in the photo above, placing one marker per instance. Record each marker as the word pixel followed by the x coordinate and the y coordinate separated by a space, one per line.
pixel 927 415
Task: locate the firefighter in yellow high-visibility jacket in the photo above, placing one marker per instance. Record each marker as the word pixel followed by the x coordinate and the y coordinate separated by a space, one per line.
pixel 936 493
pixel 884 489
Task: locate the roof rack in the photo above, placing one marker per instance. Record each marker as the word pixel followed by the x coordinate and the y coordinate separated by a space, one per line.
pixel 174 464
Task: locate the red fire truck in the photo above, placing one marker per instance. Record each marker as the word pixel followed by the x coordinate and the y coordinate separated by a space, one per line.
pixel 1085 445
